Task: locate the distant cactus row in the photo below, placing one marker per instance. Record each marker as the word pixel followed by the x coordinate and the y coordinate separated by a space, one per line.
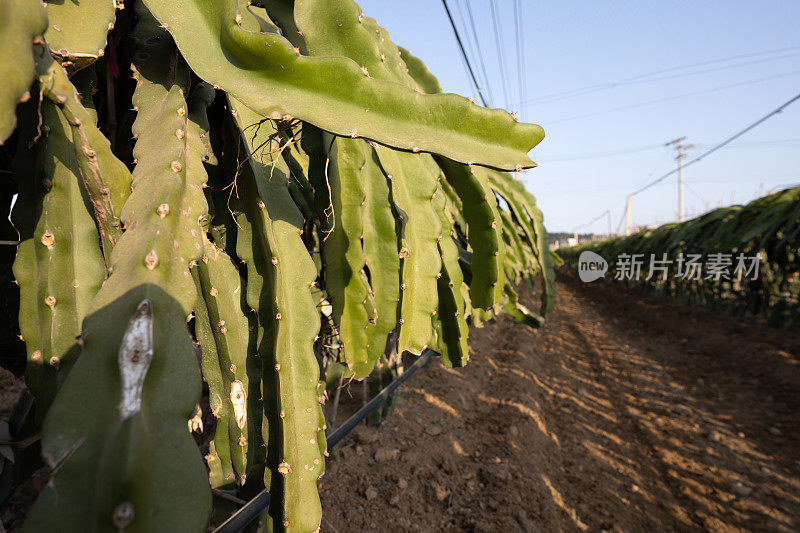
pixel 741 259
pixel 265 187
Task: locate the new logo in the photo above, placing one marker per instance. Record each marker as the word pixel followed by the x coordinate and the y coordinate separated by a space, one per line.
pixel 591 266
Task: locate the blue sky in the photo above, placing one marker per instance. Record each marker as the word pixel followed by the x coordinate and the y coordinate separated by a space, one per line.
pixel 747 63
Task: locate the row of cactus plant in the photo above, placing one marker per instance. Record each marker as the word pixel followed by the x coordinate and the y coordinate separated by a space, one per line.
pixel 215 200
pixel 767 228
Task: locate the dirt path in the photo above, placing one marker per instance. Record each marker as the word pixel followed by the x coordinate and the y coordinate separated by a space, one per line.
pixel 623 413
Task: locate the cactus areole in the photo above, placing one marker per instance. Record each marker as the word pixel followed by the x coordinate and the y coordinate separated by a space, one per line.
pixel 221 206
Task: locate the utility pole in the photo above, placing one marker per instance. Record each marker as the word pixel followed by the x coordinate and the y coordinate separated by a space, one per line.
pixel 628 214
pixel 681 149
pixel 608 216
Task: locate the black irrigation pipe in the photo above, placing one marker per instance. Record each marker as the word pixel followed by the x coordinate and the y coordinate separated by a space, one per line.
pixel 377 401
pixel 241 518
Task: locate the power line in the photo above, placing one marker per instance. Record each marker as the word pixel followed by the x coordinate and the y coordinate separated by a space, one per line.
pixel 641 77
pixel 715 69
pixel 470 50
pixel 606 213
pixel 728 179
pixel 786 185
pixel 464 53
pixel 712 61
pixel 724 180
pixel 663 78
pixel 621 220
pixel 697 195
pixel 723 143
pixel 499 45
pixel 676 97
pixel 520 41
pixel 600 155
pixel 523 49
pixel 595 219
pixel 760 144
pixel 478 47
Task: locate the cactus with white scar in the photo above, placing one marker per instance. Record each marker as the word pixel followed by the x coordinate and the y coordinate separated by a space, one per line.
pixel 218 204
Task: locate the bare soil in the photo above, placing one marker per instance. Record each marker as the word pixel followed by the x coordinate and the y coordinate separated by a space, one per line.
pixel 623 413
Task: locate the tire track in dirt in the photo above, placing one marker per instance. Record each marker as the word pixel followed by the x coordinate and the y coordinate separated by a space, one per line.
pixel 708 420
pixel 598 362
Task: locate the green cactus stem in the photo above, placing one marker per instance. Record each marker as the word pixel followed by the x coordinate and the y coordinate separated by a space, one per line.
pixel 105 178
pixel 270 76
pixel 451 317
pixel 59 268
pixel 76 31
pixel 292 323
pixel 148 474
pixel 484 230
pixel 343 257
pixel 381 254
pixel 523 206
pixel 222 331
pixel 21 22
pixel 413 182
